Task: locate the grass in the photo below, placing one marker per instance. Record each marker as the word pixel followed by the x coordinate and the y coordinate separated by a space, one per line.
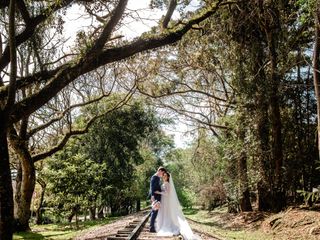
pixel 60 231
pixel 216 224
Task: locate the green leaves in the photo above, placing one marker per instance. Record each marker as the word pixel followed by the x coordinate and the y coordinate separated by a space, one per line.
pixel 306 9
pixel 99 168
pixel 309 197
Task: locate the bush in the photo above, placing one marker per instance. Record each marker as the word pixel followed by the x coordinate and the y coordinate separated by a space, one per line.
pixel 212 196
pixel 310 198
pixel 186 197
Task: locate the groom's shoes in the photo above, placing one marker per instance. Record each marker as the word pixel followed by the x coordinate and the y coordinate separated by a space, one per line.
pixel 152 230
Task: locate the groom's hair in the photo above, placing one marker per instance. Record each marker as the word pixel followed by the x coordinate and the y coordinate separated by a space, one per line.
pixel 162 169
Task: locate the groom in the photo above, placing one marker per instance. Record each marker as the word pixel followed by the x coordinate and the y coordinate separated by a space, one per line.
pixel 155 185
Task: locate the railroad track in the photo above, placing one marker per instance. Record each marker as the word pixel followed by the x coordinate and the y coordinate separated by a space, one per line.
pixel 137 230
pixel 146 235
pixel 130 231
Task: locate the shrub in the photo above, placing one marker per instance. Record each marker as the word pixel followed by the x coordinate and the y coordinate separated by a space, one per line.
pixel 214 195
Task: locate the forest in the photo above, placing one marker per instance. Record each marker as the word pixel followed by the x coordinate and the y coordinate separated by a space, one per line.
pixel 95 95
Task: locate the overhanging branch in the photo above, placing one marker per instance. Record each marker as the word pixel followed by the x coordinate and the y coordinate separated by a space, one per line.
pixel 70 71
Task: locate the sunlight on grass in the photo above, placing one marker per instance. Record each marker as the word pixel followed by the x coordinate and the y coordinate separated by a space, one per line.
pixel 214 224
pixel 60 231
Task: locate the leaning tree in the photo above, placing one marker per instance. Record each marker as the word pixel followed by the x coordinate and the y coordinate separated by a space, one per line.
pixel 99 47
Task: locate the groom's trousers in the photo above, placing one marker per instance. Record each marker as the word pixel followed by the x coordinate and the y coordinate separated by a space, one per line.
pixel 154 214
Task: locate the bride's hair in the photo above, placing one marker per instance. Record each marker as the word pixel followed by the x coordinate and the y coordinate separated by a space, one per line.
pixel 168 174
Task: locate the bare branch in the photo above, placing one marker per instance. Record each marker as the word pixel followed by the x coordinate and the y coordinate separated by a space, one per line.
pixel 23 10
pixel 171 8
pixel 67 110
pixel 106 33
pixel 30 28
pixel 71 133
pixel 189 114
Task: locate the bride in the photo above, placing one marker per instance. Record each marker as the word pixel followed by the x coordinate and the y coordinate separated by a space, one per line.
pixel 170 220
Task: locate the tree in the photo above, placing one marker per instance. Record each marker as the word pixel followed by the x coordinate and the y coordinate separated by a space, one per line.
pixel 60 73
pixel 315 65
pixel 6 203
pixel 98 170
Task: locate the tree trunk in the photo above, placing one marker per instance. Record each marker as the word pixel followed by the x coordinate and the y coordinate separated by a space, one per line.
pixel 6 196
pixel 263 186
pixel 278 195
pixel 39 208
pixel 245 203
pixel 92 213
pixel 6 199
pixel 100 212
pixel 138 205
pixel 23 197
pixel 262 128
pixel 25 183
pixel 264 196
pixel 316 68
pixel 72 214
pixel 114 209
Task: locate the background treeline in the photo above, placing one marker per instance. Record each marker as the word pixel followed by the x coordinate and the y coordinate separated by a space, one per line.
pixel 244 81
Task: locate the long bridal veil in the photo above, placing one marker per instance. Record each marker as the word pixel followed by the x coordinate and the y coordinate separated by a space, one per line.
pixel 177 214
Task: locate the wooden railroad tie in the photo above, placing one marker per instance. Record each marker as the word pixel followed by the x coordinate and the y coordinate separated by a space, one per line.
pixel 131 231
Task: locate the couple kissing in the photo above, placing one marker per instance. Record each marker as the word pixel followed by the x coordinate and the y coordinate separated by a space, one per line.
pixel 167 218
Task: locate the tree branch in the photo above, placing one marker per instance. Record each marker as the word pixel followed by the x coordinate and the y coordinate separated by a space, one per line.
pixel 71 133
pixel 23 10
pixel 106 33
pixel 71 70
pixel 167 18
pixel 61 115
pixel 30 28
pixel 27 81
pixel 189 114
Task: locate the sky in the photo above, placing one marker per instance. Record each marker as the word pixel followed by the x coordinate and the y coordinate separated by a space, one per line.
pixel 148 18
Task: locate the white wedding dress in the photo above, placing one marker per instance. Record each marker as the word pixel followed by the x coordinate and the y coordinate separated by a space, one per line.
pixel 170 220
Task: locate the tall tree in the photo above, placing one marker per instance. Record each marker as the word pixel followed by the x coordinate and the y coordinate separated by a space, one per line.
pixel 60 73
pixel 6 199
pixel 316 64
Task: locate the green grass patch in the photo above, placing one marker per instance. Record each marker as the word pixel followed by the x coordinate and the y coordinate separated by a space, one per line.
pixel 217 222
pixel 62 230
pixel 190 211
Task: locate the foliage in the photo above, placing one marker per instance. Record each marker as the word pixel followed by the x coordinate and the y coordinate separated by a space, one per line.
pixel 245 88
pixel 101 168
pixel 309 197
pixel 213 195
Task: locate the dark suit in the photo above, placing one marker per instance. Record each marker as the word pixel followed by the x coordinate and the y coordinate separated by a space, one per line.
pixel 154 186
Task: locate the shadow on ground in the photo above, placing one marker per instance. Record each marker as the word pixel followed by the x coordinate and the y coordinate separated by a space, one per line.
pixel 190 211
pixel 30 235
